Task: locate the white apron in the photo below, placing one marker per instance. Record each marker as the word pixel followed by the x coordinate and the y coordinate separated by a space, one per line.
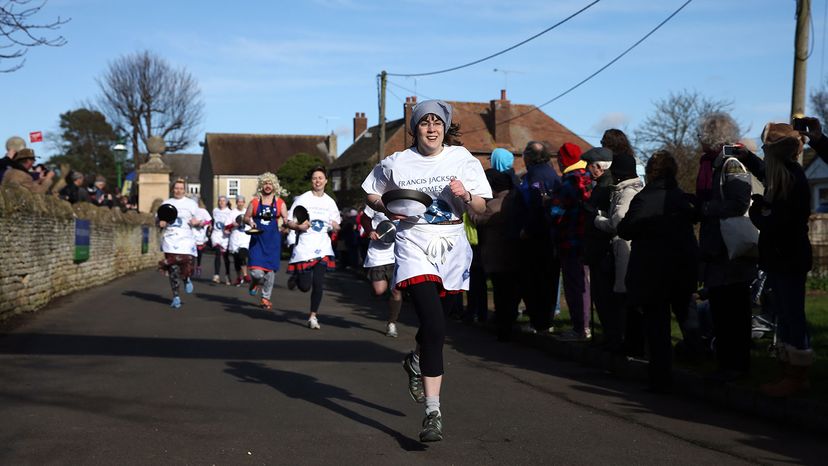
pixel 428 249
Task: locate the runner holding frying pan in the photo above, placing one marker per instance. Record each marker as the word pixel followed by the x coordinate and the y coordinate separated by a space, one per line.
pixel 379 263
pixel 177 216
pixel 313 216
pixel 432 252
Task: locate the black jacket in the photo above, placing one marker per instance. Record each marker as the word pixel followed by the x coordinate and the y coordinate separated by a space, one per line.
pixel 783 228
pixel 664 255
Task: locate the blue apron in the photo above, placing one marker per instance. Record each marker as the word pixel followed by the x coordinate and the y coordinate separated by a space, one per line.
pixel 266 248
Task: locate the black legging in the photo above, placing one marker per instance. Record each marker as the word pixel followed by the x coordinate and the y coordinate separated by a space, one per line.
pixel 431 311
pixel 313 279
pixel 217 261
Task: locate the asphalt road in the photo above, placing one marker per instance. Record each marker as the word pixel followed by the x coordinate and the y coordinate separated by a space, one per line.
pixel 114 376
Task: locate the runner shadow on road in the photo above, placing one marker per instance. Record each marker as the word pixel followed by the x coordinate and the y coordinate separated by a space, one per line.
pixel 310 389
pixel 151 297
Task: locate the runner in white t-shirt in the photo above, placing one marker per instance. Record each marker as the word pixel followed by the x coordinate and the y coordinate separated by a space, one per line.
pixel 379 265
pixel 432 252
pixel 313 253
pixel 200 234
pixel 239 243
pixel 223 220
pixel 178 243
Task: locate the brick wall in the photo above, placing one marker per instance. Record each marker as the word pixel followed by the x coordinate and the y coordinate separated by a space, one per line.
pixel 37 244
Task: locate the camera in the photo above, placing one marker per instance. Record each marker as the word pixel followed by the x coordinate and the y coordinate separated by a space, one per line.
pixel 799 124
pixel 731 149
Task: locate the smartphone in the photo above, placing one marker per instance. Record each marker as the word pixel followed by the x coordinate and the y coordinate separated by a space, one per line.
pixel 731 149
pixel 799 124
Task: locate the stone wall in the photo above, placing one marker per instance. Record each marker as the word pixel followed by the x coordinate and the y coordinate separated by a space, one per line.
pixel 818 233
pixel 37 244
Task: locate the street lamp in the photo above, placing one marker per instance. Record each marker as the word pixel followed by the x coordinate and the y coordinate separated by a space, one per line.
pixel 120 152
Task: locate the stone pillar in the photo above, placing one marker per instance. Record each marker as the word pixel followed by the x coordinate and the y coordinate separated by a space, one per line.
pixel 153 176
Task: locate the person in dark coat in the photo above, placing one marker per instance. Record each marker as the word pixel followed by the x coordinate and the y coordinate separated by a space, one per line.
pixel 781 216
pixel 499 247
pixel 541 267
pixel 661 274
pixel 723 189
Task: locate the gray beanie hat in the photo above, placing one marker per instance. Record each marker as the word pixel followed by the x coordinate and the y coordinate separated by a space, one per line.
pixel 437 107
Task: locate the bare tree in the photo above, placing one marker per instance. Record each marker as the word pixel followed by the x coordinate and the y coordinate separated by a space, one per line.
pixel 144 96
pixel 18 33
pixel 673 125
pixel 819 100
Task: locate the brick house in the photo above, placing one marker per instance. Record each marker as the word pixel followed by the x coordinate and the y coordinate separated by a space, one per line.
pixel 483 127
pixel 232 162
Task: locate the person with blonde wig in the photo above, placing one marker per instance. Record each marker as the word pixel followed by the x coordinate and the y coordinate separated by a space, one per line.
pixel 263 213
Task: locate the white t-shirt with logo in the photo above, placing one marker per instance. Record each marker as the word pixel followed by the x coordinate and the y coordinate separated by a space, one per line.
pixel 178 236
pixel 221 217
pixel 434 243
pixel 238 238
pixel 379 253
pixel 315 242
pixel 200 232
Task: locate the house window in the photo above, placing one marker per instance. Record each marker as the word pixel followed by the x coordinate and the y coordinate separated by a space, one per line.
pixel 194 188
pixel 232 187
pixel 337 180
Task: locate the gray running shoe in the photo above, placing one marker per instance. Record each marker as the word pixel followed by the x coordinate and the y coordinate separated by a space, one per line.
pixel 432 428
pixel 415 379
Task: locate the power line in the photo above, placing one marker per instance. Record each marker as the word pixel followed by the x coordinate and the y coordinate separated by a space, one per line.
pixel 413 92
pixel 409 75
pixel 583 81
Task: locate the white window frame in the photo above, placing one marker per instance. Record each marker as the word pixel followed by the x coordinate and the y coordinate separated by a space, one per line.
pixel 194 188
pixel 230 187
pixel 336 181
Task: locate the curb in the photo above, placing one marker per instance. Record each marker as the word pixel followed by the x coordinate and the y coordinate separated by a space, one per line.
pixel 798 412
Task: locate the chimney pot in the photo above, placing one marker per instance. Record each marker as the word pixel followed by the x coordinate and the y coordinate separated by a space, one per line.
pixel 360 124
pixel 503 94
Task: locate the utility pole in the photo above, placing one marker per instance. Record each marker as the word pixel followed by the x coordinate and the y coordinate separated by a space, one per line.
pixel 803 16
pixel 381 149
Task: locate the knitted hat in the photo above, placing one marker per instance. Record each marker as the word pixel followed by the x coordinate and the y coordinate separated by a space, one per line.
pixel 437 107
pixel 623 167
pixel 569 154
pixel 502 160
pixel 781 137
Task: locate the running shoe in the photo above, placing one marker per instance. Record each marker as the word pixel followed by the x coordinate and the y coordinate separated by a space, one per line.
pixel 216 279
pixel 415 379
pixel 432 427
pixel 188 286
pixel 266 304
pixel 291 283
pixel 253 290
pixel 391 330
pixel 176 303
pixel 227 281
pixel 313 324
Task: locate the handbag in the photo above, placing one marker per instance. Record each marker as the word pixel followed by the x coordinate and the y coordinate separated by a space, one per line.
pixel 741 238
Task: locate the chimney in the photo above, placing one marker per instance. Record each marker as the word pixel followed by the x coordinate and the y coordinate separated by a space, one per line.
pixel 410 102
pixel 501 111
pixel 360 125
pixel 332 149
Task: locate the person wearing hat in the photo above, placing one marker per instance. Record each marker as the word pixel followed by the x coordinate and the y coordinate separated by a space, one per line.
pixel 567 210
pixel 432 252
pixel 74 192
pixel 100 197
pixel 18 173
pixel 781 216
pixel 597 243
pixel 14 145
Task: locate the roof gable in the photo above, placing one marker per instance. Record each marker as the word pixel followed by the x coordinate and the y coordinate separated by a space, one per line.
pixel 186 166
pixel 253 154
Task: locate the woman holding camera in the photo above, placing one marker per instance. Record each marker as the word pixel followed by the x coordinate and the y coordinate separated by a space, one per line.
pixel 785 252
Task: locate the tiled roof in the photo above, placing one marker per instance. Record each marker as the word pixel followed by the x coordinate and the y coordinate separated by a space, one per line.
pixel 187 166
pixel 365 147
pixel 252 154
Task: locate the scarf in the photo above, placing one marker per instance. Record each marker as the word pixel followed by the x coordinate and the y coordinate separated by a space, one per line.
pixel 704 182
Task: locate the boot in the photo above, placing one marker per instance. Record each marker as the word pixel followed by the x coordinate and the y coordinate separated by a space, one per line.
pixel 796 363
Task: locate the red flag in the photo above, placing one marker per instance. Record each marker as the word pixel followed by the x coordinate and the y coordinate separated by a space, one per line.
pixel 36 136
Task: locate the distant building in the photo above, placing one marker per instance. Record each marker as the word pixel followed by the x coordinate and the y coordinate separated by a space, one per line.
pixel 186 167
pixel 232 162
pixel 816 170
pixel 483 127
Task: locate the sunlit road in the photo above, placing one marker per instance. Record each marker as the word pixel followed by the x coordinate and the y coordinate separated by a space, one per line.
pixel 114 376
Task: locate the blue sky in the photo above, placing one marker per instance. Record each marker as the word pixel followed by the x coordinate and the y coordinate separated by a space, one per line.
pixel 307 67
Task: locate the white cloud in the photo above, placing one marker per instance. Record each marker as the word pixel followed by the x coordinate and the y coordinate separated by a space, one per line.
pixel 611 120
